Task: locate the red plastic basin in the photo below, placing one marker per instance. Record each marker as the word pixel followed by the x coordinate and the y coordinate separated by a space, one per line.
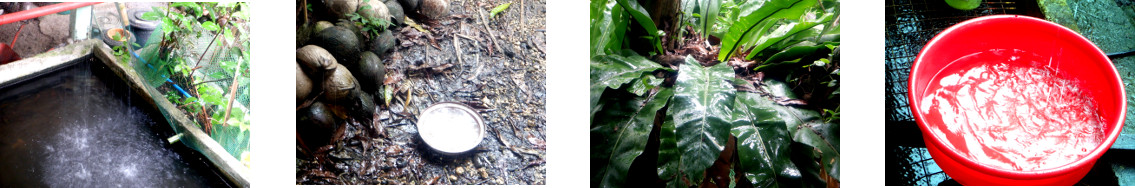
pixel 1079 59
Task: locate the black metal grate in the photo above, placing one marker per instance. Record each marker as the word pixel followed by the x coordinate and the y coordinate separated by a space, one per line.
pixel 910 24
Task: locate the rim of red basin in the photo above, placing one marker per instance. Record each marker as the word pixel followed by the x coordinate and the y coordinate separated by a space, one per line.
pixel 950 151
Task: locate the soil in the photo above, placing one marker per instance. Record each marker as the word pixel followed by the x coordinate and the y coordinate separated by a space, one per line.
pixel 495 65
pixel 38 35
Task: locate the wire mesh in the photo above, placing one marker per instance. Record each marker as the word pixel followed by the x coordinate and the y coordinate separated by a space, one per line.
pixel 909 25
pixel 217 63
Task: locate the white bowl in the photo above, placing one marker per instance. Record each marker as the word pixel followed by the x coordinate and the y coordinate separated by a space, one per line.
pixel 451 128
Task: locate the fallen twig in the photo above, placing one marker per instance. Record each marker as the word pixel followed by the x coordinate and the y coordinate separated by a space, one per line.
pixel 492 37
pixel 476 42
pixel 523 18
pixel 458 50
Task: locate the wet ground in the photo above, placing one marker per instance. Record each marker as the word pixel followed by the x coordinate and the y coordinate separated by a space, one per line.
pixel 72 129
pixel 496 65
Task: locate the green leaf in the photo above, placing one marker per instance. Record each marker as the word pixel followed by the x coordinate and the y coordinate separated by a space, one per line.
pixel 633 133
pixel 210 26
pixel 152 15
pixel 644 84
pixel 785 32
pixel 197 11
pixel 498 9
pixel 167 26
pixel 795 55
pixel 759 20
pixel 608 27
pixel 210 95
pixel 612 71
pixel 709 10
pixel 228 34
pixel 668 155
pixel 808 127
pixel 643 17
pixel 701 111
pixel 387 94
pixel 763 142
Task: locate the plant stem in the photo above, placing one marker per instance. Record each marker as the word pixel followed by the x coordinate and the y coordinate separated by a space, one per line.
pixel 232 93
pixel 202 56
pixel 304 7
pixel 167 17
pixel 217 80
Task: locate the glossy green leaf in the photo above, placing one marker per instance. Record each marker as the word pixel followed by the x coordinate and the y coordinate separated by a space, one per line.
pixel 763 17
pixel 608 27
pixel 707 14
pixel 701 111
pixel 632 135
pixel 713 8
pixel 794 56
pixel 798 52
pixel 807 127
pixel 668 155
pixel 498 9
pixel 763 142
pixel 785 32
pixel 644 84
pixel 612 71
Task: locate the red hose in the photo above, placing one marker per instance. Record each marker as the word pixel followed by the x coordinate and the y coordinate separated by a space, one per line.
pixel 14 38
pixel 45 10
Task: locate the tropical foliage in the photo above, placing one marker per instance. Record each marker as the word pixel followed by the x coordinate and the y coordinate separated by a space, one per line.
pixel 761 111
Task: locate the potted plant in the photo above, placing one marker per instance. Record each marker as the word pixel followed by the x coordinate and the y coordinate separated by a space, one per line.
pixel 116 37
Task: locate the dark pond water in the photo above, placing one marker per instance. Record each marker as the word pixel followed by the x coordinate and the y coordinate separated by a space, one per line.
pixel 81 127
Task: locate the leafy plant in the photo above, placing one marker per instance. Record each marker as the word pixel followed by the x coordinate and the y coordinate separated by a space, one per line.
pixel 674 119
pixel 614 71
pixel 772 23
pixel 706 13
pixel 178 55
pixel 618 11
pixel 373 26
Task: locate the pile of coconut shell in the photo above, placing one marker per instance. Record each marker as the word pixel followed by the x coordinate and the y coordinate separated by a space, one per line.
pixel 339 67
